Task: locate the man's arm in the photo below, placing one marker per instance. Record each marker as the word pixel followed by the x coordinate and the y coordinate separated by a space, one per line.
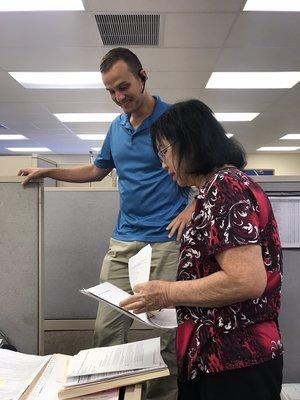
pixel 87 173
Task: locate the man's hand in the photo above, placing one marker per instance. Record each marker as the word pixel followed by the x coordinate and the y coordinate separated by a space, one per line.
pixel 149 296
pixel 32 173
pixel 179 223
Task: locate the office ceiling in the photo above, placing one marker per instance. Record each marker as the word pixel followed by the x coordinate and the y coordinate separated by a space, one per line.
pixel 197 37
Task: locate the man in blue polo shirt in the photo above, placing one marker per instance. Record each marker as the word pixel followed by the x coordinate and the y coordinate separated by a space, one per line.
pixel 152 206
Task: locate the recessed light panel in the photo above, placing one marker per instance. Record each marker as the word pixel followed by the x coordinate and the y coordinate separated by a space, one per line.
pixel 59 80
pixel 291 136
pixel 272 5
pixel 253 80
pixel 278 148
pixel 41 5
pixel 235 116
pixel 13 137
pixel 97 137
pixel 28 149
pixel 86 117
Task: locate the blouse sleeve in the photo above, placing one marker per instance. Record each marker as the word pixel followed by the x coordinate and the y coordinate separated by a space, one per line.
pixel 233 215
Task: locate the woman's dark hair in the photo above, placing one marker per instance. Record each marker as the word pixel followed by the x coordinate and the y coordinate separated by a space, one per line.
pixel 198 139
pixel 121 53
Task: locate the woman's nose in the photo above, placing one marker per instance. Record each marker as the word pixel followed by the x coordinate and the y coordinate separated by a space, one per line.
pixel 164 165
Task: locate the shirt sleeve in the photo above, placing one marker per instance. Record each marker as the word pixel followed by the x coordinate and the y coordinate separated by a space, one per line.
pixel 232 215
pixel 104 158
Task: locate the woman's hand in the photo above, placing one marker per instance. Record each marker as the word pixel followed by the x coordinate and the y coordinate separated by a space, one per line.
pixel 149 296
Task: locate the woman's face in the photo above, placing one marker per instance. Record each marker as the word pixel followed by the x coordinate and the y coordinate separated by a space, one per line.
pixel 169 162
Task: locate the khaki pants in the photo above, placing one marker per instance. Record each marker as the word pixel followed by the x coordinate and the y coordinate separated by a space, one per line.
pixel 112 327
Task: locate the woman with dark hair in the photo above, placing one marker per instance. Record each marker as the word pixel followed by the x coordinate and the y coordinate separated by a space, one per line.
pixel 227 293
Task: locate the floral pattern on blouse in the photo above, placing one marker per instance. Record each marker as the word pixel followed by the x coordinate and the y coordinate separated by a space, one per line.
pixel 231 210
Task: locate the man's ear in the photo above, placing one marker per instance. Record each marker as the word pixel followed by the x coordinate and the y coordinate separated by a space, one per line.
pixel 143 75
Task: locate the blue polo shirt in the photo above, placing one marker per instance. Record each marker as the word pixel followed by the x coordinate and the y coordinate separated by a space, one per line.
pixel 149 199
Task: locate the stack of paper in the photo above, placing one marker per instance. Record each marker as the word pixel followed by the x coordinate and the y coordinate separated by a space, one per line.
pixel 115 366
pixel 94 374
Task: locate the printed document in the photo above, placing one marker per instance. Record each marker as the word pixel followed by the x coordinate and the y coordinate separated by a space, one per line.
pixel 139 272
pixel 17 371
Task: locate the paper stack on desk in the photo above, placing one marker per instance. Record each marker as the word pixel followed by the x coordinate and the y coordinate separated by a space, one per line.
pixel 29 377
pixel 139 272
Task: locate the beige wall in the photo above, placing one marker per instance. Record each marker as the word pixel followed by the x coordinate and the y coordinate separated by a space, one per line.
pixel 283 164
pixel 10 165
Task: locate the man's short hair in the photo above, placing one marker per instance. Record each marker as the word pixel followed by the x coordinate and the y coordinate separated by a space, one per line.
pixel 121 53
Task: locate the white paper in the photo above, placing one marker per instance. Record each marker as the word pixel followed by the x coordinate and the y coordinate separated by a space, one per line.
pixel 51 380
pixel 139 272
pixel 124 357
pixel 17 371
pixel 139 266
pixel 287 215
pixel 291 391
pixel 112 295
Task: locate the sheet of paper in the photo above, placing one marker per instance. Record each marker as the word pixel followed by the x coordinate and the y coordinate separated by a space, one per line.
pixel 139 271
pixel 291 391
pixel 139 266
pixel 165 318
pixel 113 295
pixel 84 379
pixel 129 356
pixel 51 380
pixel 17 371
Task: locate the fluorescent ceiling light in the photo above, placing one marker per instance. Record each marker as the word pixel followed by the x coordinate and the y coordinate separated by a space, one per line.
pixel 291 136
pixel 41 5
pixel 278 148
pixel 272 5
pixel 235 116
pixel 87 117
pixel 13 137
pixel 100 136
pixel 253 80
pixel 229 135
pixel 28 149
pixel 96 148
pixel 59 80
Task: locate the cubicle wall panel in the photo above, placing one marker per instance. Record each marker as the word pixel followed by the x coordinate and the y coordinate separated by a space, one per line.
pixel 19 241
pixel 289 320
pixel 78 226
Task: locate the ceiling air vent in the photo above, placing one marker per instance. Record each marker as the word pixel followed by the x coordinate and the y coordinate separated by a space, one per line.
pixel 129 29
pixel 2 127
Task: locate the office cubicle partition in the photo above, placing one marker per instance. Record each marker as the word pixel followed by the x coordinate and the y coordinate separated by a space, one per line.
pixel 78 226
pixel 21 264
pixel 284 194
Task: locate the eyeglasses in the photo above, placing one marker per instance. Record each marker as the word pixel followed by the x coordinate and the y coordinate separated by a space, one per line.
pixel 162 153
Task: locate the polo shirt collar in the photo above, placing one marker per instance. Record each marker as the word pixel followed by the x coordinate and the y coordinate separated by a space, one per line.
pixel 125 118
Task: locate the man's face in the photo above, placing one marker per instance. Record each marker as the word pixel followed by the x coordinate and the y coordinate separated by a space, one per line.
pixel 124 88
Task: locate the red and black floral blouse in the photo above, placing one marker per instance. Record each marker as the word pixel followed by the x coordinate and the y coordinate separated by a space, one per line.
pixel 232 210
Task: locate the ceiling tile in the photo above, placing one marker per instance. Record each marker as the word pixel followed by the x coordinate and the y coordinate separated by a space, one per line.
pixel 197 30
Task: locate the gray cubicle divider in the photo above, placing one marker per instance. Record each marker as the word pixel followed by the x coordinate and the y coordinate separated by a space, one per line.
pixel 78 226
pixel 20 264
pixel 289 320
